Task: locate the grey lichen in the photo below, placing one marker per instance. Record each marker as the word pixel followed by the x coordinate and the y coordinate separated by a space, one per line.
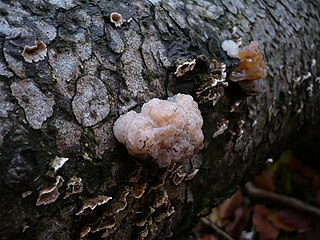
pixel 37 106
pixel 65 65
pixel 132 65
pixel 90 104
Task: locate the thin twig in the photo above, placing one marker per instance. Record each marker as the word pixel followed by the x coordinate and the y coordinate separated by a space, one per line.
pixel 290 202
pixel 216 228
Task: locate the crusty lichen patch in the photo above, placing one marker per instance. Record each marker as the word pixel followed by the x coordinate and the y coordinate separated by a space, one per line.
pixel 37 106
pixel 91 103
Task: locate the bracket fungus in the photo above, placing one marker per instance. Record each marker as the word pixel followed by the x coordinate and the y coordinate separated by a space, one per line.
pixel 93 203
pixel 251 66
pixel 116 18
pixel 49 194
pixel 169 131
pixel 208 91
pixel 34 53
pixel 184 67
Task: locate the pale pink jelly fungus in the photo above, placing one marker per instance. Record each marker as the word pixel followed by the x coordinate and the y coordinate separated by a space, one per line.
pixel 167 130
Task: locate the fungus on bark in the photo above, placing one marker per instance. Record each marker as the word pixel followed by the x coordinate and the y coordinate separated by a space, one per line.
pixel 58 162
pixel 185 67
pixel 251 66
pixel 35 53
pixel 169 131
pixel 116 18
pixel 50 193
pixel 231 47
pixel 93 203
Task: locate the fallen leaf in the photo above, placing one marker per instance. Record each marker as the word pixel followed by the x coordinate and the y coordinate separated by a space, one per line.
pixel 266 230
pixel 239 224
pixel 264 181
pixel 311 234
pixel 294 219
pixel 215 218
pixel 209 237
pixel 272 217
pixel 305 170
pixel 228 207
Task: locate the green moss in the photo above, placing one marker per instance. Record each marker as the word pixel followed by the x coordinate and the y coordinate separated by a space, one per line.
pixel 63 45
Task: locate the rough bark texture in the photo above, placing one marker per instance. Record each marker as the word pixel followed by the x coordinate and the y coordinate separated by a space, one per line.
pixel 65 106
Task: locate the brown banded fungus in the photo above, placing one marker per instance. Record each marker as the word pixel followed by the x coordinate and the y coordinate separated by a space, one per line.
pixel 184 67
pixel 93 203
pixel 35 53
pixel 169 131
pixel 49 194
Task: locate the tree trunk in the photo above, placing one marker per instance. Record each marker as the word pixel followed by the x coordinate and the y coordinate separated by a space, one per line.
pixel 65 105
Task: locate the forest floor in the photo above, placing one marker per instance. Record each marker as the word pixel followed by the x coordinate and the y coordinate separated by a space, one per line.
pixel 283 202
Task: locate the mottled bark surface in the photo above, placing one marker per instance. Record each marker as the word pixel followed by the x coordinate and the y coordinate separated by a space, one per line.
pixel 65 106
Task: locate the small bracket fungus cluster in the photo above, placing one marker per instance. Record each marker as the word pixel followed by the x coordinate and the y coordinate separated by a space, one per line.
pixel 251 66
pixel 49 193
pixel 222 126
pixel 167 130
pixel 74 186
pixel 208 91
pixel 93 203
pixel 34 53
pixel 184 67
pixel 117 19
pixel 147 221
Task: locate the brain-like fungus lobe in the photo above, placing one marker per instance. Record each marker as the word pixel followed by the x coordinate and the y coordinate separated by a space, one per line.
pixel 167 130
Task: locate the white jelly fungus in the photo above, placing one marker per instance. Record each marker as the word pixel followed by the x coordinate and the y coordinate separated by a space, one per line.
pixel 231 47
pixel 167 130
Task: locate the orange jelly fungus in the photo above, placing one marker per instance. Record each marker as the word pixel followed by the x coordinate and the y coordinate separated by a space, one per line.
pixel 251 66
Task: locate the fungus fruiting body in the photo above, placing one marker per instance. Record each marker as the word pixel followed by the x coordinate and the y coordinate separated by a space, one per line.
pixel 58 162
pixel 251 65
pixel 35 53
pixel 208 91
pixel 49 194
pixel 231 47
pixel 93 203
pixel 116 18
pixel 167 130
pixel 185 67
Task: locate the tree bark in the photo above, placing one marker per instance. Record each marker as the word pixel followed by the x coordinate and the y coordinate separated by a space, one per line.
pixel 65 105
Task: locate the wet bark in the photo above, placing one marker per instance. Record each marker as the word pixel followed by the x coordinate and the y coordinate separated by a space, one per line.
pixel 64 106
